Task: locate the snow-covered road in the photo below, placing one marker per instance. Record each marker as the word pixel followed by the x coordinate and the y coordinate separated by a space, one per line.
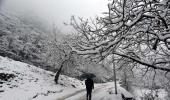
pixel 101 92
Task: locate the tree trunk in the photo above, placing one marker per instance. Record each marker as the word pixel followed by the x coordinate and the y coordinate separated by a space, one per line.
pixel 58 73
pixel 125 79
pixel 114 70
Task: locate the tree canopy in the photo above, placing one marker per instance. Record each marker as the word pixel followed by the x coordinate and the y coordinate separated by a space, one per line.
pixel 133 29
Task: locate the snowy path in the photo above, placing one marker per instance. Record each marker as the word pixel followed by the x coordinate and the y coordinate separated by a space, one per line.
pixel 33 83
pixel 95 93
pixel 101 92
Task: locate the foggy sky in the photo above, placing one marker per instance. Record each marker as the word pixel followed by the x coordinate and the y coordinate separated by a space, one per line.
pixel 58 11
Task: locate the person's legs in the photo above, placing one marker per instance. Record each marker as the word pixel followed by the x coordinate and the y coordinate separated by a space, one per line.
pixel 90 94
pixel 87 96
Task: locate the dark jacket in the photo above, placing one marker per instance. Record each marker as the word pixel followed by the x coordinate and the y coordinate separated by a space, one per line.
pixel 89 84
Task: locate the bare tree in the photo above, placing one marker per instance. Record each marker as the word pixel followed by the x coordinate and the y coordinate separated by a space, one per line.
pixel 133 29
pixel 59 54
pixel 67 60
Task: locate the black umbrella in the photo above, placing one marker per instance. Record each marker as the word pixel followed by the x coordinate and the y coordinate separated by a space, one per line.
pixel 87 75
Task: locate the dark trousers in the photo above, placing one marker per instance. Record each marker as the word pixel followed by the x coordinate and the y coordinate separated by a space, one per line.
pixel 89 95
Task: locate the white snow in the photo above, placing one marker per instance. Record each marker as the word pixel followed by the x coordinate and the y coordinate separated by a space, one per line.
pixel 140 92
pixel 103 91
pixel 32 83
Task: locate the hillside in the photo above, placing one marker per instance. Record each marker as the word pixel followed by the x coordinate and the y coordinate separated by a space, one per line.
pixel 25 38
pixel 29 82
pixel 21 81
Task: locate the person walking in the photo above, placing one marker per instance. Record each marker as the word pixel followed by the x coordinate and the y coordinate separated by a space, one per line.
pixel 89 86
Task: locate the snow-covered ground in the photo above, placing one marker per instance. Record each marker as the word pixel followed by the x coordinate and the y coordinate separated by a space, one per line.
pixel 141 92
pixel 32 83
pixel 103 91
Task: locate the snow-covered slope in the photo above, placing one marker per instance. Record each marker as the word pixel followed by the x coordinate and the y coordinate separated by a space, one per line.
pixel 21 81
pixel 30 82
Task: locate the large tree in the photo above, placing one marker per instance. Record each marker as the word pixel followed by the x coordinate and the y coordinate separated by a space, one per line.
pixel 133 29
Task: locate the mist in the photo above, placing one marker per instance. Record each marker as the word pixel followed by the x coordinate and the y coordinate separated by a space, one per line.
pixel 57 11
pixel 1 1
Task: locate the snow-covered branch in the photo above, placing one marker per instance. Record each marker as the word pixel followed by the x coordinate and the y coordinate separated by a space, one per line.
pixel 138 26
